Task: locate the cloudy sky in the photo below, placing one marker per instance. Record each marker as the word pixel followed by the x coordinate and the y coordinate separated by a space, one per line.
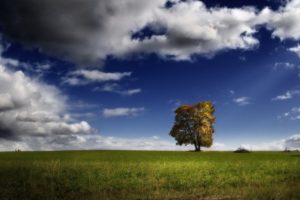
pixel 108 74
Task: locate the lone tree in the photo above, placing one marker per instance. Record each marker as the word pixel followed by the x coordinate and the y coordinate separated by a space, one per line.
pixel 194 125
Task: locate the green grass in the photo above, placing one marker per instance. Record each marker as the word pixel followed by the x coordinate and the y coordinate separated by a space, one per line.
pixel 149 175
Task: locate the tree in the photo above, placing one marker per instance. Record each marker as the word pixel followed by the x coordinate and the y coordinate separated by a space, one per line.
pixel 194 125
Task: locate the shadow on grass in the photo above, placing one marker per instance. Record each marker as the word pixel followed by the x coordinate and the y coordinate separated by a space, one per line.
pixel 298 155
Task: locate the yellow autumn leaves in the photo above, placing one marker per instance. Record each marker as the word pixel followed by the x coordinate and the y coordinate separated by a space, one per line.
pixel 194 124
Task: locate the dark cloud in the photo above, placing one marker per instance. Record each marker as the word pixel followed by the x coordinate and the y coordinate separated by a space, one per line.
pixel 87 31
pixel 78 30
pixel 54 26
pixel 6 132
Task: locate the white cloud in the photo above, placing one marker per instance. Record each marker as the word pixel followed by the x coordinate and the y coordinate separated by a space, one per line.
pixel 98 76
pixel 116 88
pixel 44 66
pixel 32 108
pixel 82 105
pixel 288 65
pixel 284 65
pixel 74 81
pixel 287 95
pixel 38 68
pixel 7 61
pixel 192 28
pixel 111 87
pixel 242 101
pixel 94 141
pixel 83 115
pixel 295 49
pixel 41 68
pixel 285 22
pixel 293 114
pixel 148 143
pixel 119 112
pixel 81 77
pixel 130 92
pixel 290 143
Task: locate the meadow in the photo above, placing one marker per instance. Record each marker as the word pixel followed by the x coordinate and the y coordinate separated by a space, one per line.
pixel 149 175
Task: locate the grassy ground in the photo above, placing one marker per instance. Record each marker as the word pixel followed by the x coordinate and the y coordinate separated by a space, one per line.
pixel 149 175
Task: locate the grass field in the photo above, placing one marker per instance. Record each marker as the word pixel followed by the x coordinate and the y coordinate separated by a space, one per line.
pixel 149 175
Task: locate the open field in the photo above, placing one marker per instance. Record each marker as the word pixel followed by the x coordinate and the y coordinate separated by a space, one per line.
pixel 149 175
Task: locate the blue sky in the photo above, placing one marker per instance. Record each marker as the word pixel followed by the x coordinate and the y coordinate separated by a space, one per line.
pixel 114 80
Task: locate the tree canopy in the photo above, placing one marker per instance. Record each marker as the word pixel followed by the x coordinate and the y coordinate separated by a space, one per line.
pixel 194 125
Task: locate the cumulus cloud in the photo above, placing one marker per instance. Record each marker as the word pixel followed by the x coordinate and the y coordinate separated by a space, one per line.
pixel 284 23
pixel 31 108
pixel 242 101
pixel 82 77
pixel 120 112
pixel 191 28
pixel 88 31
pixel 77 30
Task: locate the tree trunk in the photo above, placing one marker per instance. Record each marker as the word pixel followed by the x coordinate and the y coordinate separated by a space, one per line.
pixel 196 143
pixel 197 147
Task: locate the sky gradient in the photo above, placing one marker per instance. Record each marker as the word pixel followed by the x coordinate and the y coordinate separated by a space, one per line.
pixel 108 75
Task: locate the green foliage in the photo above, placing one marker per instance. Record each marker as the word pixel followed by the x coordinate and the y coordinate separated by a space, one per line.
pixel 194 125
pixel 114 175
